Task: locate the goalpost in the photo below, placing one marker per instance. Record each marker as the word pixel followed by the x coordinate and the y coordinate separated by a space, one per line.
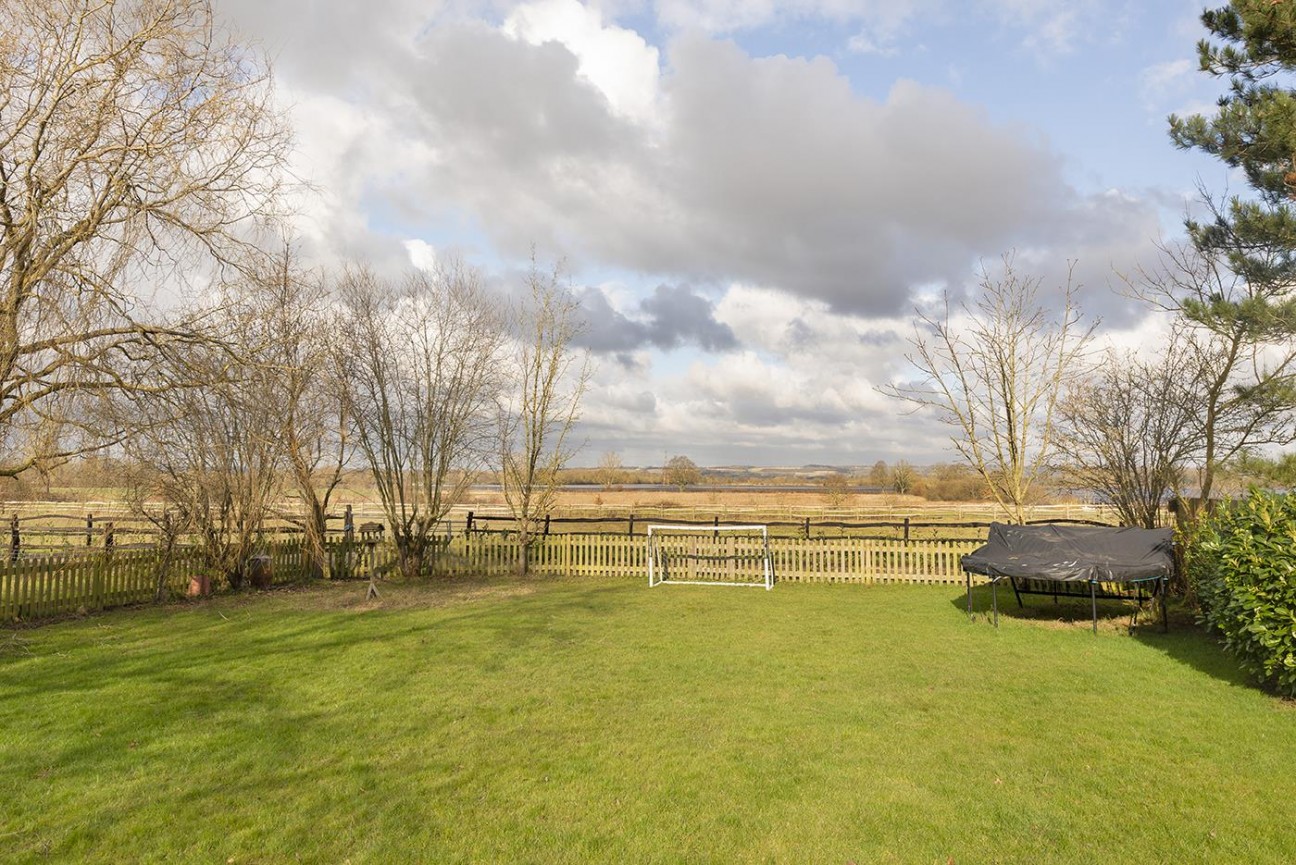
pixel 709 556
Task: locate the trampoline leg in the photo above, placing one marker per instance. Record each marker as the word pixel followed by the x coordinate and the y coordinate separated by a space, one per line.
pixel 994 594
pixel 967 577
pixel 1093 599
pixel 1165 617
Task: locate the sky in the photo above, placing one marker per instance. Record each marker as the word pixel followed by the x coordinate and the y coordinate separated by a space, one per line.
pixel 749 199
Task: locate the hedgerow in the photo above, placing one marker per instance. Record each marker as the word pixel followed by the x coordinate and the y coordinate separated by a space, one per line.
pixel 1243 566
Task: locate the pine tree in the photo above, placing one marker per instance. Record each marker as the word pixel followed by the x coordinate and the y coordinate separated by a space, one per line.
pixel 1237 293
pixel 1254 129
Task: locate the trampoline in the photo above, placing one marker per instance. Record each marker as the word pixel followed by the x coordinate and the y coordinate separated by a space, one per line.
pixel 1075 561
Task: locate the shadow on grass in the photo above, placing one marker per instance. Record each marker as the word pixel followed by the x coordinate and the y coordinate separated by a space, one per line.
pixel 1185 642
pixel 1063 612
pixel 197 646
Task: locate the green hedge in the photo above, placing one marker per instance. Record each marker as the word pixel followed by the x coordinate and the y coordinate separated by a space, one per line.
pixel 1243 564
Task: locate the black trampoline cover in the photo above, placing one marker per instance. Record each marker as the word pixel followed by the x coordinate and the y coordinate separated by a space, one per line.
pixel 1073 553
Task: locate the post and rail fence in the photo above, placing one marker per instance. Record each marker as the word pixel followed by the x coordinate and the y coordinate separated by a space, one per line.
pixel 103 560
pixel 38 529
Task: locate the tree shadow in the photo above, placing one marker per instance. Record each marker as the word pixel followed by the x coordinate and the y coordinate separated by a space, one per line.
pixel 1185 642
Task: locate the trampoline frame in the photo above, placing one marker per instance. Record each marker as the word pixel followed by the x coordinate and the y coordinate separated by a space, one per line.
pixel 1097 590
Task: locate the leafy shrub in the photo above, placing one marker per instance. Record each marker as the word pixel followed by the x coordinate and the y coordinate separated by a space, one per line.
pixel 1243 566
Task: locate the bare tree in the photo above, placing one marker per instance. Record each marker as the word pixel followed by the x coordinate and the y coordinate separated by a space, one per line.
pixel 536 419
pixel 133 135
pixel 836 488
pixel 421 371
pixel 1127 433
pixel 995 371
pixel 610 469
pixel 903 477
pixel 680 471
pixel 206 443
pixel 305 392
pixel 1237 358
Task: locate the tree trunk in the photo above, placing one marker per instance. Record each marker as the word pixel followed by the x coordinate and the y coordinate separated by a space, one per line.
pixel 163 571
pixel 316 550
pixel 524 553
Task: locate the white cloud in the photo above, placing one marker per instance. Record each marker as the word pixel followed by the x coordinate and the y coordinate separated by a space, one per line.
pixel 695 173
pixel 765 170
pixel 1045 28
pixel 617 61
pixel 1167 81
pixel 421 254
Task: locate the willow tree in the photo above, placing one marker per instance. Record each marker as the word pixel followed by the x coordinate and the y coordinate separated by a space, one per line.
pixel 995 369
pixel 134 135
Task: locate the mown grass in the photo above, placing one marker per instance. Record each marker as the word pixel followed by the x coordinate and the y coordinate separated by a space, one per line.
pixel 606 722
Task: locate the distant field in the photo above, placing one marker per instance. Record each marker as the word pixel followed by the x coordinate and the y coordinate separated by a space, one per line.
pixel 51 526
pixel 581 722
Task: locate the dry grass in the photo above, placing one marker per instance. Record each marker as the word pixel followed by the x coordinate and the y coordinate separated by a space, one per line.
pixel 730 498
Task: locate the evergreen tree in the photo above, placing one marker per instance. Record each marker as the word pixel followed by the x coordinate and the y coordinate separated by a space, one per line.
pixel 1237 295
pixel 1253 130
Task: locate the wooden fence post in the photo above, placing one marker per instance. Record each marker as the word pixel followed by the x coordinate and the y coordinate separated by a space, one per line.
pixel 89 530
pixel 15 538
pixel 348 525
pixel 99 599
pixel 109 540
pixel 631 532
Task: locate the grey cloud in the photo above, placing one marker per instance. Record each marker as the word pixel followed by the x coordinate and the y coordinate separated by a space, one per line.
pixel 673 316
pixel 881 340
pixel 818 191
pixel 514 106
pixel 607 331
pixel 762 410
pixel 680 317
pixel 769 171
pixel 327 50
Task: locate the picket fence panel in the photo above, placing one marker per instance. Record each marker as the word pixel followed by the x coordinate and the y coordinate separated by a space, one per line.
pixel 42 587
pixel 837 560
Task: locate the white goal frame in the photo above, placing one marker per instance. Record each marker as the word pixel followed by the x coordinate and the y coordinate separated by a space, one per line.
pixel 657 578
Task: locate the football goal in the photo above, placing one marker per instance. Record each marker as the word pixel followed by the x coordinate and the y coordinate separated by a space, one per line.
pixel 709 556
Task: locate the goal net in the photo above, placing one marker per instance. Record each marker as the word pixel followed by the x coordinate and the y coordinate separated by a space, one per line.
pixel 709 556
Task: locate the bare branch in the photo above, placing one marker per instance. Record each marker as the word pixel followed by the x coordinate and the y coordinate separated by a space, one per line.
pixel 995 371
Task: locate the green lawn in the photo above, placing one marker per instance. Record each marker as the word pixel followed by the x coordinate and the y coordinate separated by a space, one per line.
pixel 607 722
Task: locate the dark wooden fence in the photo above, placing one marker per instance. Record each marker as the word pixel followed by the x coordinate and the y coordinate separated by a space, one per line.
pixel 905 529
